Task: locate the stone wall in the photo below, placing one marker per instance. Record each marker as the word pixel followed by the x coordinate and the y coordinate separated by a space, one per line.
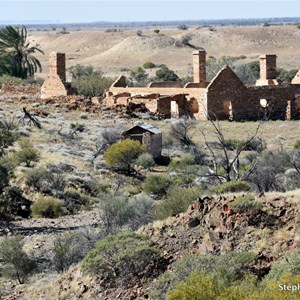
pixel 225 97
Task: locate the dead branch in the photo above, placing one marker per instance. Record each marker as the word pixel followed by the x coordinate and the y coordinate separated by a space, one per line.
pixel 31 119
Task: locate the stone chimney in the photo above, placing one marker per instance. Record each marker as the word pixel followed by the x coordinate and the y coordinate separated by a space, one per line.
pixel 55 83
pixel 268 72
pixel 199 67
pixel 57 65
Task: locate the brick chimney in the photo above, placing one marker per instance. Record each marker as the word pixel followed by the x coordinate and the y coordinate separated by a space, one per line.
pixel 268 72
pixel 57 65
pixel 199 67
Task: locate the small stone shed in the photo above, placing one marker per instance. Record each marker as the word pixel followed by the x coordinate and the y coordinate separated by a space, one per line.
pixel 147 135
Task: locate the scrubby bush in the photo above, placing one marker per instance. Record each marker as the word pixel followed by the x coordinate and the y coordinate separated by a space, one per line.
pixel 74 201
pixel 202 286
pixel 146 161
pixel 13 204
pixel 120 258
pixel 165 74
pixel 92 85
pixel 89 82
pixel 46 181
pixel 256 144
pixel 70 248
pixel 176 201
pixel 138 76
pixel 297 144
pixel 246 204
pixel 78 71
pixel 4 179
pixel 289 264
pixel 17 264
pixel 47 207
pixel 10 79
pixel 285 75
pixel 7 138
pixel 119 212
pixel 181 131
pixel 123 154
pixel 27 153
pixel 183 27
pixel 157 184
pixel 181 163
pixel 148 65
pixel 269 164
pixel 232 187
pixel 230 267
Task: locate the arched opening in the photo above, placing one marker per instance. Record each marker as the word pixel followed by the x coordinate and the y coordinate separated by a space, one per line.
pixel 227 110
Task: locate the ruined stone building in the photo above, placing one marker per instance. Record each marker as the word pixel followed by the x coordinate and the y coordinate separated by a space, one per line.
pixel 224 97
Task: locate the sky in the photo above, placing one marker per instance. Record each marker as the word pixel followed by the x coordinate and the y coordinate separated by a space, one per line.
pixel 68 11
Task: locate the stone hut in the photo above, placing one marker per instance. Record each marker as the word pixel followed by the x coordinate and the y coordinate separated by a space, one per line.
pixel 146 135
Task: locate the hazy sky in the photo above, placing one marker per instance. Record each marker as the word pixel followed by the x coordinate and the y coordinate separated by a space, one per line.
pixel 121 10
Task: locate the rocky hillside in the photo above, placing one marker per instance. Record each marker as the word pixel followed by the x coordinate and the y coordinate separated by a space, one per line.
pixel 211 225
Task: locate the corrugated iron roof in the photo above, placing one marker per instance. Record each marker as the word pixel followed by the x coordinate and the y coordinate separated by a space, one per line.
pixel 147 127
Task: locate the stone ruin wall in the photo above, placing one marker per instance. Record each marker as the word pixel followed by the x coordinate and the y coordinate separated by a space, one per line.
pixel 225 97
pixel 159 99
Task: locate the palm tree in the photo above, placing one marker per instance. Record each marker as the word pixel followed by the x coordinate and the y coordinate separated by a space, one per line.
pixel 16 53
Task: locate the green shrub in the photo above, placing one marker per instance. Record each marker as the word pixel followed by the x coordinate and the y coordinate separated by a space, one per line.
pixel 176 201
pixel 74 201
pixel 257 144
pixel 246 204
pixel 39 80
pixel 232 187
pixel 69 248
pixel 17 264
pixel 202 286
pixel 13 204
pixel 4 179
pixel 289 264
pixel 157 184
pixel 46 181
pixel 183 27
pixel 148 65
pixel 231 267
pixel 10 79
pixel 297 144
pixel 181 163
pixel 139 76
pixel 165 74
pixel 92 85
pixel 285 75
pixel 123 154
pixel 27 153
pixel 120 258
pixel 47 207
pixel 119 212
pixel 7 138
pixel 146 161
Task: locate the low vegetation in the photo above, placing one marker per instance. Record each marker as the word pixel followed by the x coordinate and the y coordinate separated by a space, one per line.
pixel 121 258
